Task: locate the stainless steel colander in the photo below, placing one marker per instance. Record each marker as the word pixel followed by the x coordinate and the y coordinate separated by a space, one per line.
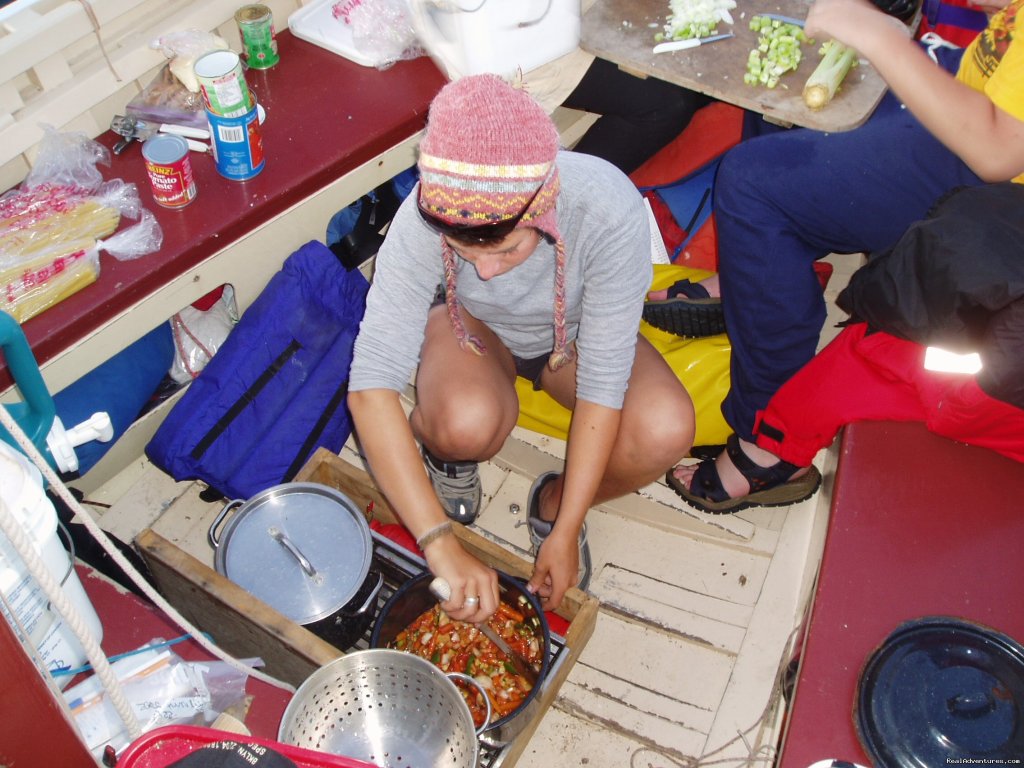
pixel 383 706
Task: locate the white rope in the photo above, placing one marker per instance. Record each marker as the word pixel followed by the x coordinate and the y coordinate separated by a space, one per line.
pixel 13 530
pixel 111 549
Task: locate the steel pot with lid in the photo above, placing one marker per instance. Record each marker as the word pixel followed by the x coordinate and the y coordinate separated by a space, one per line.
pixel 304 549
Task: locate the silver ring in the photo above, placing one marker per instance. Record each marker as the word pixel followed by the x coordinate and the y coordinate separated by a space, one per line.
pixel 472 601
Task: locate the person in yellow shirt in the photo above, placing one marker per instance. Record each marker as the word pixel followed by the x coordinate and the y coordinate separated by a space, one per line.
pixel 952 118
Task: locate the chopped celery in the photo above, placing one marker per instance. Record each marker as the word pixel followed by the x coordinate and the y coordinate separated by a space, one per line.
pixel 778 51
pixel 837 59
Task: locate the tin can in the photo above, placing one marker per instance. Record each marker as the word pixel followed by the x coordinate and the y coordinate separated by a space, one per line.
pixel 170 170
pixel 223 84
pixel 237 144
pixel 259 38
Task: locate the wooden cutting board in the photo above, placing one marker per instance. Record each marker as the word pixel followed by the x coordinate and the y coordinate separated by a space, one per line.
pixel 623 31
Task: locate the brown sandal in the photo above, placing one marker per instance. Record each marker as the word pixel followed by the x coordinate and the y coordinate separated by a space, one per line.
pixel 772 486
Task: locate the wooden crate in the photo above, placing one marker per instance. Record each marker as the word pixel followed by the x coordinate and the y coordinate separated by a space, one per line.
pixel 245 626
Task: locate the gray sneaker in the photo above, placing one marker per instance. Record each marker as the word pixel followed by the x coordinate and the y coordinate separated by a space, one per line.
pixel 540 529
pixel 457 485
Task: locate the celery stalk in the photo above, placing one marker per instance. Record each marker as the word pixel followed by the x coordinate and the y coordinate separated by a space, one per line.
pixel 824 81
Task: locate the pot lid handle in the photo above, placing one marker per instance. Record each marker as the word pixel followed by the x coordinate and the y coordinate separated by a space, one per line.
pixel 294 551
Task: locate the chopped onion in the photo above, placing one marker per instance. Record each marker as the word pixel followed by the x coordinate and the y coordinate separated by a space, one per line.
pixel 696 18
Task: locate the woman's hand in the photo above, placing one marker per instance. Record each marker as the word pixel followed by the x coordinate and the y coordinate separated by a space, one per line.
pixel 556 568
pixel 856 23
pixel 467 577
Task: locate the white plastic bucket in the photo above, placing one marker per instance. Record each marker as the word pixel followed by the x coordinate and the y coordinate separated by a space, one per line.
pixel 499 36
pixel 21 488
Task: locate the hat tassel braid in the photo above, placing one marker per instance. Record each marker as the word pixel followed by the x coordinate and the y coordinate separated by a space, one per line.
pixel 466 340
pixel 562 354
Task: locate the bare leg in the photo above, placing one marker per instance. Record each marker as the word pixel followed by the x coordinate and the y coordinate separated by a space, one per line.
pixel 466 403
pixel 656 430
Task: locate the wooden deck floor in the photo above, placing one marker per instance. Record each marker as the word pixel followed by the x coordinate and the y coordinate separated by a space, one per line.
pixel 699 617
pixel 699 614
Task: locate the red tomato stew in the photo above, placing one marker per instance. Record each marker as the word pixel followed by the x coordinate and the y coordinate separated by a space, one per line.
pixel 455 646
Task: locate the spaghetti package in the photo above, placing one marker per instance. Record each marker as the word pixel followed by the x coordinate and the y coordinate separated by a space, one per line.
pixel 53 227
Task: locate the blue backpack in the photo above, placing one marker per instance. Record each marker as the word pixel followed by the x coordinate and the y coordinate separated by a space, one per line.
pixel 275 391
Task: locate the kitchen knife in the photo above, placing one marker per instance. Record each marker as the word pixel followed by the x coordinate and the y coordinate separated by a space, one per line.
pixel 693 42
pixel 784 19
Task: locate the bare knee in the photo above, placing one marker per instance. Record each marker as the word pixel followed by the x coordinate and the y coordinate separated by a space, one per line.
pixel 663 433
pixel 472 429
pixel 672 438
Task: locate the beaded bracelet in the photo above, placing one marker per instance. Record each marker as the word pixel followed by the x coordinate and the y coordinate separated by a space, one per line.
pixel 442 529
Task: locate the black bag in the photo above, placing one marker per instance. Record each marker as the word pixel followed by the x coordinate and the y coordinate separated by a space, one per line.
pixel 275 391
pixel 956 280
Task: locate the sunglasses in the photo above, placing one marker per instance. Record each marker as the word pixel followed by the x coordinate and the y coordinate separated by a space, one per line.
pixel 476 234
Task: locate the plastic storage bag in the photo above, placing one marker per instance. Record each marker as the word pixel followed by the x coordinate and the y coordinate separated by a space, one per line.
pixel 199 333
pixel 161 688
pixel 381 29
pixel 173 96
pixel 183 48
pixel 53 227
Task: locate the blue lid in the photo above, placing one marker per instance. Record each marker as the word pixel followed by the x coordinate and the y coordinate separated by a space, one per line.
pixel 940 691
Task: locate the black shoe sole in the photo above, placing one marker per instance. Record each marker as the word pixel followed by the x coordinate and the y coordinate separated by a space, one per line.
pixel 690 318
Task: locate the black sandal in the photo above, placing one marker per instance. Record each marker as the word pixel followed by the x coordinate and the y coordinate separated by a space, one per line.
pixel 772 486
pixel 689 311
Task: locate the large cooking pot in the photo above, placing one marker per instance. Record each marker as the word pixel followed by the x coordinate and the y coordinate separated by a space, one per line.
pixel 414 597
pixel 305 549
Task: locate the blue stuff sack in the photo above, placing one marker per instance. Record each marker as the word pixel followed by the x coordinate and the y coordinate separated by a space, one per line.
pixel 689 199
pixel 276 389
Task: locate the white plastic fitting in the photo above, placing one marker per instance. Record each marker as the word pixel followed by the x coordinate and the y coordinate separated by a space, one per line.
pixel 62 442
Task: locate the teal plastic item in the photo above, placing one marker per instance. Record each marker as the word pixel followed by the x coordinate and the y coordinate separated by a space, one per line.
pixel 36 412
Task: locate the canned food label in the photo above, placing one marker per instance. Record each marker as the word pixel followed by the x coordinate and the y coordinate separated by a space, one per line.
pixel 237 145
pixel 223 84
pixel 259 38
pixel 170 171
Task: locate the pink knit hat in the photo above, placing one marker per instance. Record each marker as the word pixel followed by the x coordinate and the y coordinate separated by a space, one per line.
pixel 488 156
pixel 489 150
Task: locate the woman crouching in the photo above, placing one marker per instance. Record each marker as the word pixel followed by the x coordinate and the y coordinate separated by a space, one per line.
pixel 510 258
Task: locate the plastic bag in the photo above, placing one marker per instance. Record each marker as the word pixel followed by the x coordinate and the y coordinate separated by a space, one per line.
pixel 32 291
pixel 198 335
pixel 173 96
pixel 53 227
pixel 183 48
pixel 161 688
pixel 166 100
pixel 137 240
pixel 381 29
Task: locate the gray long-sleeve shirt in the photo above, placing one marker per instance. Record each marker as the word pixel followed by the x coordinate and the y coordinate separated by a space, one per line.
pixel 608 271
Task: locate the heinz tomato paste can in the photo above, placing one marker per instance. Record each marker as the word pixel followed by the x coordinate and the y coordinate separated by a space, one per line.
pixel 223 84
pixel 170 170
pixel 237 144
pixel 259 38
